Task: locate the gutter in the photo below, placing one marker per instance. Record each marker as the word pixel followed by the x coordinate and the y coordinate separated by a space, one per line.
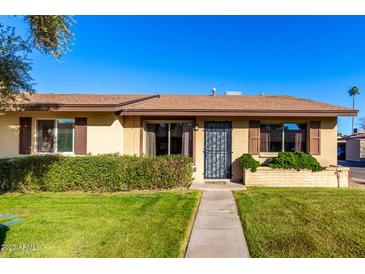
pixel 121 109
pixel 227 112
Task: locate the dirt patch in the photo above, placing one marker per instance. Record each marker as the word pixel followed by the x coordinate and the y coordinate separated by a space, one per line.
pixel 356 183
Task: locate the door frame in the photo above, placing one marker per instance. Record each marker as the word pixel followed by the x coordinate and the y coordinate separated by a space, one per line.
pixel 229 152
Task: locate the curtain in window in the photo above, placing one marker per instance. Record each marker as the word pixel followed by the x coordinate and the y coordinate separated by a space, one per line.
pixel 298 141
pixel 187 137
pixel 265 142
pixel 45 138
pixel 151 140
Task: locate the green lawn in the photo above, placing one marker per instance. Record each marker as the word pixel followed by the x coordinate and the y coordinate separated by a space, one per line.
pixel 285 222
pixel 152 224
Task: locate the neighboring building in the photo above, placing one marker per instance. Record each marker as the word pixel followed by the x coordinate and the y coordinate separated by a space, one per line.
pixel 359 131
pixel 214 130
pixel 353 147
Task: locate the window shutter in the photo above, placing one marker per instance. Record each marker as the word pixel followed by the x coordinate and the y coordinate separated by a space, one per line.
pixel 25 135
pixel 80 136
pixel 315 137
pixel 254 137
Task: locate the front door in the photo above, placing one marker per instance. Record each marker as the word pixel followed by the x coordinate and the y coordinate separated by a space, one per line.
pixel 217 153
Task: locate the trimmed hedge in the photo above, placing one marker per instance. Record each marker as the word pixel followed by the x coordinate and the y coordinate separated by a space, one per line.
pixel 295 160
pixel 248 162
pixel 102 173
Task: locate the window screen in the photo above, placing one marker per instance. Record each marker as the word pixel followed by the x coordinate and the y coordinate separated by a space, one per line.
pixel 65 135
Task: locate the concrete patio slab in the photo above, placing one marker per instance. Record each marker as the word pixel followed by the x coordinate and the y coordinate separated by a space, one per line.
pixel 217 231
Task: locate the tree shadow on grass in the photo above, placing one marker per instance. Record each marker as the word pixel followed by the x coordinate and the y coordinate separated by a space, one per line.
pixel 3 230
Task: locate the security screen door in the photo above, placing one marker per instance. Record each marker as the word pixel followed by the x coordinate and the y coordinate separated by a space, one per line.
pixel 218 150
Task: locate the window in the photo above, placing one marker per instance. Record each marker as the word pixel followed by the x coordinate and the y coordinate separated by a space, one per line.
pixel 271 138
pixel 282 137
pixel 45 138
pixel 55 136
pixel 65 136
pixel 169 138
pixel 162 139
pixel 294 137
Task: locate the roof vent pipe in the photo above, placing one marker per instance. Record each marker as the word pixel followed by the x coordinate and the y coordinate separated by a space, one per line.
pixel 229 93
pixel 214 91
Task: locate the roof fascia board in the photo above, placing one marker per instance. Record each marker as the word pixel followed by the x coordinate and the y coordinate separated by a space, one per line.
pixel 82 107
pixel 265 113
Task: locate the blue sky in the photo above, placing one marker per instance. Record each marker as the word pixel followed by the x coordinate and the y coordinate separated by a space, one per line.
pixel 315 57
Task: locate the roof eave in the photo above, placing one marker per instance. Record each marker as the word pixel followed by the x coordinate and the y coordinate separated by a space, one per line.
pixel 238 113
pixel 80 107
pixel 67 108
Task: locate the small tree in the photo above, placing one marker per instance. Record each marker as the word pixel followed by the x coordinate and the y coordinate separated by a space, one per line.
pixel 15 67
pixel 50 34
pixel 352 92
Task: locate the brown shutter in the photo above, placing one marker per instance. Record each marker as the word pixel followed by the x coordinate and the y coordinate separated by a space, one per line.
pixel 25 135
pixel 80 136
pixel 254 137
pixel 315 137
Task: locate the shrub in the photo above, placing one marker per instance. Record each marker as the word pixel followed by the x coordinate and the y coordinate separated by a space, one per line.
pixel 102 173
pixel 248 162
pixel 295 160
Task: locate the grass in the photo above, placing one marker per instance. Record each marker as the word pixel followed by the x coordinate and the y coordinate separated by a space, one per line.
pixel 152 224
pixel 286 222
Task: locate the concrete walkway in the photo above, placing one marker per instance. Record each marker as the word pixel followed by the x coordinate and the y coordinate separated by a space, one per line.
pixel 217 231
pixel 228 186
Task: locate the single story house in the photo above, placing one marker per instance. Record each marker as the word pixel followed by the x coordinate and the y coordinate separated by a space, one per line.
pixel 353 147
pixel 214 129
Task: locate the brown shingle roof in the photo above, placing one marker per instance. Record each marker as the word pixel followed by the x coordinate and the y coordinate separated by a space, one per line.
pixel 234 102
pixel 239 105
pixel 83 99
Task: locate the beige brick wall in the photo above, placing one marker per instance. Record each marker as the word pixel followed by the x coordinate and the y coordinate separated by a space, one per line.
pixel 328 154
pixel 132 135
pixel 104 134
pixel 327 157
pixel 110 134
pixel 265 176
pixel 199 150
pixel 9 135
pixel 239 145
pixel 104 131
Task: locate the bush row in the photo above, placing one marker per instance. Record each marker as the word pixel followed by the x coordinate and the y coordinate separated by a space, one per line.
pixel 284 160
pixel 102 173
pixel 248 162
pixel 295 160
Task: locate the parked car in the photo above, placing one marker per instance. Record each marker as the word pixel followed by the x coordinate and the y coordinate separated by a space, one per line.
pixel 341 153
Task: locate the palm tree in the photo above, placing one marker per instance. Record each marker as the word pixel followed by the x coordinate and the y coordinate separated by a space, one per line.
pixel 352 92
